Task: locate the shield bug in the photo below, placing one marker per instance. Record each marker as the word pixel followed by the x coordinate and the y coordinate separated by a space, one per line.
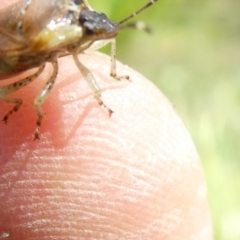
pixel 34 32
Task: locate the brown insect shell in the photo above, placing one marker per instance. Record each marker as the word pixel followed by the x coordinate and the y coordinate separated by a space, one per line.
pixel 41 31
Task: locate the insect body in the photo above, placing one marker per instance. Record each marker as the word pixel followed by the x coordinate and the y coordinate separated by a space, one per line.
pixel 33 32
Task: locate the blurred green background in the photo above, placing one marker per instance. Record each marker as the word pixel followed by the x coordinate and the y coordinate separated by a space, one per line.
pixel 193 56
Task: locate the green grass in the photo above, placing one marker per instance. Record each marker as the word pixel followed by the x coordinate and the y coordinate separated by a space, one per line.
pixel 193 56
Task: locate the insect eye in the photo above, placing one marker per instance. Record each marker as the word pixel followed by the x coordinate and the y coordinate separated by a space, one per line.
pixel 89 28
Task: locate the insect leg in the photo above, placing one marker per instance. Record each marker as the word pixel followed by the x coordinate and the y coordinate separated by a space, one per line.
pixel 23 11
pixel 5 90
pixel 113 72
pixel 91 83
pixel 42 96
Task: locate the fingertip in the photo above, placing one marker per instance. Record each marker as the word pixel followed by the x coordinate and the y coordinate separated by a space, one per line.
pixel 133 174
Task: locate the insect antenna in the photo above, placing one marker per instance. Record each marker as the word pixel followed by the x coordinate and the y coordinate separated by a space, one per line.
pixel 137 25
pixel 150 3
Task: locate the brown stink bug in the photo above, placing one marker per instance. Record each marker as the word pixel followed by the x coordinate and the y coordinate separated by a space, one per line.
pixel 33 32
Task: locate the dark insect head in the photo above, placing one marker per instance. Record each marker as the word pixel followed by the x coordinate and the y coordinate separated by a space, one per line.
pixel 98 25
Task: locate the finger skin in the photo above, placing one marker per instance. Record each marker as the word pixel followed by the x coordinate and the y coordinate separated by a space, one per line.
pixel 135 175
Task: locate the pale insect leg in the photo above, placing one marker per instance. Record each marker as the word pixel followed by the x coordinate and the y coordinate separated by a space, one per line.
pixel 91 83
pixel 5 90
pixel 23 12
pixel 113 72
pixel 42 96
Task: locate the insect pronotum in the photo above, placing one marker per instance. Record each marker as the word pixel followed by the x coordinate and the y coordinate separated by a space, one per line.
pixel 33 32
